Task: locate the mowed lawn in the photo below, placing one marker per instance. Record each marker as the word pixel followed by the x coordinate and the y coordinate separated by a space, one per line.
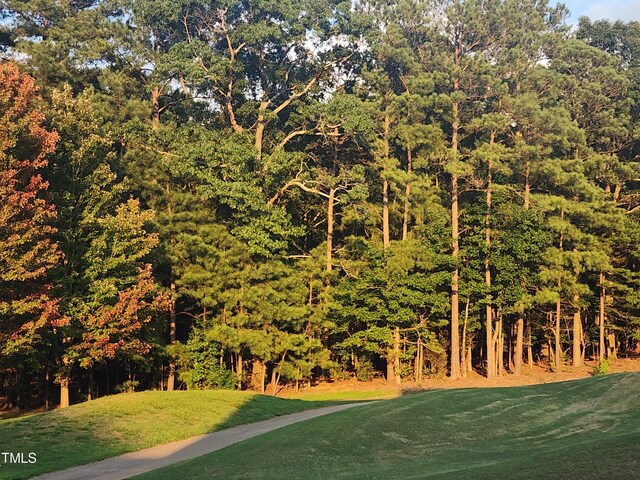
pixel 583 429
pixel 123 423
pixel 348 395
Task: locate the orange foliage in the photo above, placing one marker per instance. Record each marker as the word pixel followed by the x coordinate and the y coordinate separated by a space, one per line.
pixel 26 249
pixel 114 330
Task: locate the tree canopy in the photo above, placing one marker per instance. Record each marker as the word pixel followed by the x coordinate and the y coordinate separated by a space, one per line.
pixel 251 194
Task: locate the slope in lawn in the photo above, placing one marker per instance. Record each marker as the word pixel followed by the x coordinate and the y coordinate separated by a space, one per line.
pixel 122 423
pixel 572 430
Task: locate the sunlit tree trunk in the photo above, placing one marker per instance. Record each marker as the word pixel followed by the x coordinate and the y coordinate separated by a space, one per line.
pixel 558 348
pixel 330 206
pixel 155 107
pixel 464 360
pixel 530 347
pixel 171 380
pixel 487 277
pixel 500 345
pixel 577 333
pixel 602 348
pixel 455 233
pixel 520 323
pixel 396 355
pixel 64 391
pixel 239 370
pixel 407 196
pixel 517 356
pixel 558 353
pixel 455 322
pixel 385 183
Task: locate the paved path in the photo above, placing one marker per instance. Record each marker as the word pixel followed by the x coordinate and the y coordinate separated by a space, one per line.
pixel 142 461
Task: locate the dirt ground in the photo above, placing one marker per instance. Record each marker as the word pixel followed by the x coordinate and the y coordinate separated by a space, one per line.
pixel 530 376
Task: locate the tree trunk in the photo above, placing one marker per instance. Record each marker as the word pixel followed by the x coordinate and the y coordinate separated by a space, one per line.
pixel 239 370
pixel 385 214
pixel 171 380
pixel 500 345
pixel 419 362
pixel 511 346
pixel 407 195
pixel 260 125
pixel 520 325
pixel 230 87
pixel 517 356
pixel 391 375
pixel 601 348
pixel 527 185
pixel 385 183
pixel 64 391
pixel 455 321
pixel 616 192
pixel 487 276
pixel 90 390
pixel 577 333
pixel 232 116
pixel 258 375
pixel 330 206
pixel 455 234
pixel 396 355
pixel 464 340
pixel 274 382
pixel 155 107
pixel 530 347
pixel 47 385
pixel 558 351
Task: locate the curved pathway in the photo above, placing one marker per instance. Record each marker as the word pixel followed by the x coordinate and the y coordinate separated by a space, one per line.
pixel 142 461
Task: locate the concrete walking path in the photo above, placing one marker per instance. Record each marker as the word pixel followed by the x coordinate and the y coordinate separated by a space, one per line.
pixel 142 461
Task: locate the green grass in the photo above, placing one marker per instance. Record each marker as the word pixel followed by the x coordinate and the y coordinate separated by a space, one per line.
pixel 122 423
pixel 585 429
pixel 349 395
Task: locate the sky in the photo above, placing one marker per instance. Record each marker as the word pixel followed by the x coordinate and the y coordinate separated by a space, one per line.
pixel 626 10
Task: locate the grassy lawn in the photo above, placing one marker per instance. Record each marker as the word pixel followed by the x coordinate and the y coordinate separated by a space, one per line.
pixel 349 395
pixel 584 429
pixel 122 423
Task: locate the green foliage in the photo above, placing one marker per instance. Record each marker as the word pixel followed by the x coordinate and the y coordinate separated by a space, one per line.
pixel 128 386
pixel 602 368
pixel 365 371
pixel 277 184
pixel 201 366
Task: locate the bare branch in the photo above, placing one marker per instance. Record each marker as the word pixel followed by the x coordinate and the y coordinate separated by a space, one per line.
pixel 291 135
pixel 295 183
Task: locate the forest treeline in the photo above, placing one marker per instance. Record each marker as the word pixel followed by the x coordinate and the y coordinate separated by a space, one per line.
pixel 248 193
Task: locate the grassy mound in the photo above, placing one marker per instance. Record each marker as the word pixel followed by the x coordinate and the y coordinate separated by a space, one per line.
pixel 572 430
pixel 123 423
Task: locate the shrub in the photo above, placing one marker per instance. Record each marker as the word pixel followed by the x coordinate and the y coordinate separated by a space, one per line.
pixel 200 365
pixel 601 368
pixel 210 375
pixel 365 371
pixel 128 386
